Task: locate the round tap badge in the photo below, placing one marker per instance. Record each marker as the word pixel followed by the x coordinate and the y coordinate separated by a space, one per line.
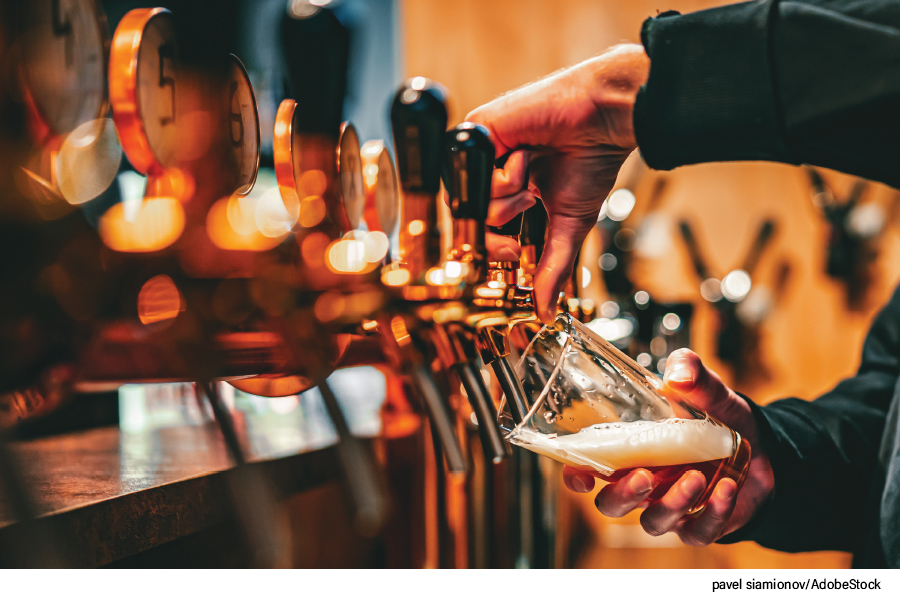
pixel 380 177
pixel 64 64
pixel 243 118
pixel 282 148
pixel 143 86
pixel 349 165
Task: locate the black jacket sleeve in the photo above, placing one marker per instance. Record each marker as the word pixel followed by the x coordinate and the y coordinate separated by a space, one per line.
pixel 793 81
pixel 824 453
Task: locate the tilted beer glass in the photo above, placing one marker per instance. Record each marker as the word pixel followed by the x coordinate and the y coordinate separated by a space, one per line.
pixel 595 409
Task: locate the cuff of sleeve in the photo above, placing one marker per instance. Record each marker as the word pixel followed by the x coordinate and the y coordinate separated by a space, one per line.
pixel 710 95
pixel 758 525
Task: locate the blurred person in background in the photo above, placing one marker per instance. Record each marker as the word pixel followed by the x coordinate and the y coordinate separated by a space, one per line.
pixel 792 81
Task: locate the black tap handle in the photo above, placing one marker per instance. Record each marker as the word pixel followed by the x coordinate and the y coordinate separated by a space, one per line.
pixel 316 50
pixel 468 167
pixel 418 122
pixel 534 227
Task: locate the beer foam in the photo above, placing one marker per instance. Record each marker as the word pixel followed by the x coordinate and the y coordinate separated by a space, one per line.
pixel 608 447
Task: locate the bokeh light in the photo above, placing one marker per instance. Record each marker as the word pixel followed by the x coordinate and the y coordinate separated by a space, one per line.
pixel 157 224
pixel 711 289
pixel 347 256
pixel 159 300
pixel 620 204
pixel 736 285
pixel 88 161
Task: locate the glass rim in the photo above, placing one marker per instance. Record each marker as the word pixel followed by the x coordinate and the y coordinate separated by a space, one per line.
pixel 556 368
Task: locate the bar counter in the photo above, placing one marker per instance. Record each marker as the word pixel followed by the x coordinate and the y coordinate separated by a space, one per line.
pixel 106 494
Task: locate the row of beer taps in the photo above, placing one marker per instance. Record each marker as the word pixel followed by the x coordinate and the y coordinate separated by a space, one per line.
pixel 277 320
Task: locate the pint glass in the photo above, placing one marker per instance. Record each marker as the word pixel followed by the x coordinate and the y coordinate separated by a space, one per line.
pixel 593 408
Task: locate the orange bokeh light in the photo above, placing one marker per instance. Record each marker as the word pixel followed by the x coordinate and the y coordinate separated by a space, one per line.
pixel 313 249
pixel 157 225
pixel 159 300
pixel 312 211
pixel 231 225
pixel 312 183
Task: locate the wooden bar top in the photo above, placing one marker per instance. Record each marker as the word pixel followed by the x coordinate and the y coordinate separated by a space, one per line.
pixel 107 494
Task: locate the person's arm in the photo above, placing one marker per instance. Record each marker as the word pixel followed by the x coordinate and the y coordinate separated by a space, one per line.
pixel 814 81
pixel 824 454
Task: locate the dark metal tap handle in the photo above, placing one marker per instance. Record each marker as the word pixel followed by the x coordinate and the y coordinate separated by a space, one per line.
pixel 468 168
pixel 418 122
pixel 439 417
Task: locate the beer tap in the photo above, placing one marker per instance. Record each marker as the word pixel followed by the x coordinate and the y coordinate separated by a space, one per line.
pixel 418 123
pixel 469 161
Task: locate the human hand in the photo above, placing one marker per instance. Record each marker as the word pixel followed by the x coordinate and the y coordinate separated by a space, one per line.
pixel 570 131
pixel 725 511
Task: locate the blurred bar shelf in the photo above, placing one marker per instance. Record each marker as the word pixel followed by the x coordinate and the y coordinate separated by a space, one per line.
pixel 108 494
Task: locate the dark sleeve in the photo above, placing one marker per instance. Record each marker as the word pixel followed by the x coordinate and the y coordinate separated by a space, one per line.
pixel 810 81
pixel 824 453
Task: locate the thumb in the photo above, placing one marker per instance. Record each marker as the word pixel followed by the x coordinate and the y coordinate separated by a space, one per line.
pixel 564 237
pixel 702 387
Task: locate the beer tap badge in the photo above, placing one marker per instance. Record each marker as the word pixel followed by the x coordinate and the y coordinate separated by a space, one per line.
pixel 243 117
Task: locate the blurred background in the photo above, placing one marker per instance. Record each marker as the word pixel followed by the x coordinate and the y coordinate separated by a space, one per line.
pixel 772 273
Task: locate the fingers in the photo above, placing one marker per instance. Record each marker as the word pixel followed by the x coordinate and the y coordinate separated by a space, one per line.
pixel 565 237
pixel 578 481
pixel 619 498
pixel 686 374
pixel 502 248
pixel 502 210
pixel 511 179
pixel 661 516
pixel 710 525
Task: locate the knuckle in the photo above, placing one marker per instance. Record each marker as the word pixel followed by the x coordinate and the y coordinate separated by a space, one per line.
pixel 654 526
pixel 610 505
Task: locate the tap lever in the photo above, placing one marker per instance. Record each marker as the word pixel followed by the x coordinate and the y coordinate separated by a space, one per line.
pixel 468 167
pixel 439 417
pixel 418 122
pixel 363 477
pixel 512 389
pixel 457 351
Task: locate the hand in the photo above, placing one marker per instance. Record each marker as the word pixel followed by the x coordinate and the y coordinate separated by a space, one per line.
pixel 572 131
pixel 725 512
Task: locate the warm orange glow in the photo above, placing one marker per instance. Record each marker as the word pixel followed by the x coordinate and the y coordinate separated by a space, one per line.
pixel 312 183
pixel 171 183
pixel 398 328
pixel 347 256
pixel 231 225
pixel 395 277
pixel 416 227
pixel 312 211
pixel 489 292
pixel 313 249
pixel 157 225
pixel 329 307
pixel 195 130
pixel 159 300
